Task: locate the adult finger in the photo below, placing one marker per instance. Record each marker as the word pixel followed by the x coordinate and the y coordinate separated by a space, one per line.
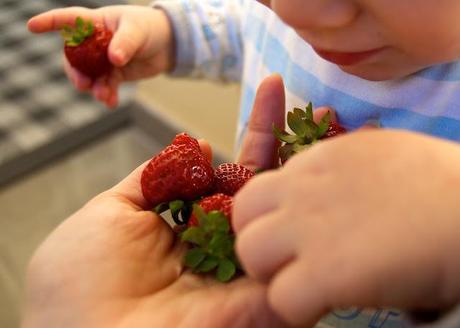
pixel 205 149
pixel 130 188
pixel 260 146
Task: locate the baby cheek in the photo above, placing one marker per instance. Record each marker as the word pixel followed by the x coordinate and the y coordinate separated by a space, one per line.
pixel 430 37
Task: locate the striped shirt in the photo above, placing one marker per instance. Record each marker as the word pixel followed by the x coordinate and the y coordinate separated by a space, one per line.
pixel 243 41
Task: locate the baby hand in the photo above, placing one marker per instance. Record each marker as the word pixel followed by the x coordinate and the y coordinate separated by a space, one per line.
pixel 368 219
pixel 141 46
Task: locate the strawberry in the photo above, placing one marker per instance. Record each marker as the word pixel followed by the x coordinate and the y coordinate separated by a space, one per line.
pixel 211 238
pixel 179 172
pixel 306 131
pixel 86 48
pixel 333 130
pixel 216 202
pixel 230 177
pixel 185 139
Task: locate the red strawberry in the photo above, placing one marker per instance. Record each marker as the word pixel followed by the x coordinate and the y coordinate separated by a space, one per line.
pixel 306 131
pixel 185 139
pixel 230 177
pixel 86 48
pixel 180 171
pixel 211 238
pixel 216 202
pixel 333 130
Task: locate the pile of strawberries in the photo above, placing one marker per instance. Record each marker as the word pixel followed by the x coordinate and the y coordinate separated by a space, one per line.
pixel 200 198
pixel 182 180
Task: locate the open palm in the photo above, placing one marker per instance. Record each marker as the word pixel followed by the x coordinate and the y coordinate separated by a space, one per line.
pixel 114 264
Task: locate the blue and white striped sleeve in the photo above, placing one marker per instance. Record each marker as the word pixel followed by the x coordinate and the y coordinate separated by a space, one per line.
pixel 207 37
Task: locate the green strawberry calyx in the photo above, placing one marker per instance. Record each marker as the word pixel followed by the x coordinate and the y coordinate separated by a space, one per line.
pixel 74 36
pixel 180 210
pixel 212 245
pixel 306 131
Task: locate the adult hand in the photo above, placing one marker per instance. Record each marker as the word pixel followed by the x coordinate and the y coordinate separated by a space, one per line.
pixel 114 263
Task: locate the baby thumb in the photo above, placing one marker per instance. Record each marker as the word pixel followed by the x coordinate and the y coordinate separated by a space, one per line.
pixel 125 43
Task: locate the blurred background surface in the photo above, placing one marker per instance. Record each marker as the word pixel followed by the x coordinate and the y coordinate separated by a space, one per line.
pixel 56 144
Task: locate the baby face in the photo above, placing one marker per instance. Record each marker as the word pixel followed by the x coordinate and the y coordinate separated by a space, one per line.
pixel 376 39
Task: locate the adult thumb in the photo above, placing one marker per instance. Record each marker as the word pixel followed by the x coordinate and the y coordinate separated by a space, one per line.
pixel 260 147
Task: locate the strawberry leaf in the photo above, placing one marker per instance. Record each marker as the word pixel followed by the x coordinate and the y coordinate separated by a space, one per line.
pixel 79 23
pixel 208 264
pixel 89 28
pixel 311 128
pixel 194 257
pixel 283 136
pixel 74 36
pixel 323 125
pixel 296 124
pixel 309 111
pixel 218 221
pixel 160 208
pixel 221 244
pixel 298 148
pixel 185 212
pixel 201 215
pixel 176 206
pixel 67 29
pixel 285 152
pixel 226 270
pixel 195 235
pixel 259 170
pixel 67 33
pixel 300 112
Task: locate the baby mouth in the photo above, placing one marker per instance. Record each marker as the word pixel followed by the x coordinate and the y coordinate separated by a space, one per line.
pixel 347 58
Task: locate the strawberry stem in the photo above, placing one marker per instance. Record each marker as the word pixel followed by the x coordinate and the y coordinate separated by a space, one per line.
pixel 74 36
pixel 180 210
pixel 212 245
pixel 306 131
